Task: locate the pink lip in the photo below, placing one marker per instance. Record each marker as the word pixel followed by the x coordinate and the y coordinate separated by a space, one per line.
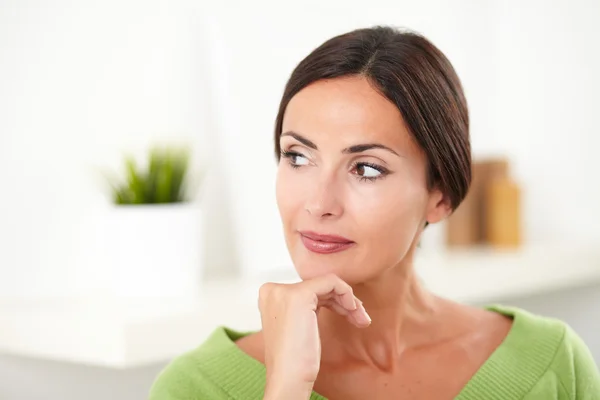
pixel 324 244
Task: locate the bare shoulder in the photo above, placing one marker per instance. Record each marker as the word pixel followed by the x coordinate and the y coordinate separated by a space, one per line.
pixel 493 320
pixel 481 317
pixel 495 327
pixel 483 330
pixel 253 345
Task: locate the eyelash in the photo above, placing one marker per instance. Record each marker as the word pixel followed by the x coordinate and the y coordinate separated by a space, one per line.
pixel 288 155
pixel 384 172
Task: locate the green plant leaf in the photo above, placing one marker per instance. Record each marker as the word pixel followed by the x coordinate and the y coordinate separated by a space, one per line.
pixel 135 180
pixel 163 184
pixel 180 167
pixel 164 180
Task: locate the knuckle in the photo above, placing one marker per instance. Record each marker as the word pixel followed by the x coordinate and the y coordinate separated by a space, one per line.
pixel 332 276
pixel 284 295
pixel 299 294
pixel 264 292
pixel 265 288
pixel 272 291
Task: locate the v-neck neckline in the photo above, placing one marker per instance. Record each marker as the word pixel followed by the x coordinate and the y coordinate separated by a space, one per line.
pixel 503 372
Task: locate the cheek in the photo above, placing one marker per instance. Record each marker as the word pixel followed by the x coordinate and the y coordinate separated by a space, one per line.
pixel 389 216
pixel 287 192
pixel 391 200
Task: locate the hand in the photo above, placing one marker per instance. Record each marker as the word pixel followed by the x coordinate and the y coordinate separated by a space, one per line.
pixel 291 334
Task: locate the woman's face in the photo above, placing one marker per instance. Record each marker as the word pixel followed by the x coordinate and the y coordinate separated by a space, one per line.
pixel 351 182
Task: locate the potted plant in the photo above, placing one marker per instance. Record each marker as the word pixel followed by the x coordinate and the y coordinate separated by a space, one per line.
pixel 154 236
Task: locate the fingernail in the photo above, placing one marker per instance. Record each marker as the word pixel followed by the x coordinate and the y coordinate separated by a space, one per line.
pixel 362 316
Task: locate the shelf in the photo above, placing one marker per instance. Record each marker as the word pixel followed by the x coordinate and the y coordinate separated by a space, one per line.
pixel 484 275
pixel 125 333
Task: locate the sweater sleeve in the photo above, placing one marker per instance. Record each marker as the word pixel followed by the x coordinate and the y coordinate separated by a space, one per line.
pixel 576 368
pixel 182 380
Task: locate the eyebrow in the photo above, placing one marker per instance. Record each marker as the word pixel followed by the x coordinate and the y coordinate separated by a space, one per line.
pixel 301 139
pixel 357 148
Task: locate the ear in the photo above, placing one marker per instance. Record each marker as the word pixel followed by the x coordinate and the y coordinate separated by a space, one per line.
pixel 438 207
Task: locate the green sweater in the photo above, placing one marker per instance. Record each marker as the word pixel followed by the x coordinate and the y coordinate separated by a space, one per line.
pixel 540 359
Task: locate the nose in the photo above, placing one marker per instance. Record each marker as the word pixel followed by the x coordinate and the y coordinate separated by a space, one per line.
pixel 323 199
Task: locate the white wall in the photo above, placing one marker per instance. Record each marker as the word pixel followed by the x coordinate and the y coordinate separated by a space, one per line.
pixel 545 104
pixel 80 83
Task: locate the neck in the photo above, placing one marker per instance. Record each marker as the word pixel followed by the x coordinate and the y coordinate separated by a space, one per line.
pixel 404 315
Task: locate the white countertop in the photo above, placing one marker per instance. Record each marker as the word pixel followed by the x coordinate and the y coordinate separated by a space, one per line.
pixel 125 333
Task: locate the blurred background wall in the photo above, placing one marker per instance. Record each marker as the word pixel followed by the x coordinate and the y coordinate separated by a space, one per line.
pixel 82 81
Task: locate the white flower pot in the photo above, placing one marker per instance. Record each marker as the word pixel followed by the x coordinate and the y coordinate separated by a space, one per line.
pixel 154 250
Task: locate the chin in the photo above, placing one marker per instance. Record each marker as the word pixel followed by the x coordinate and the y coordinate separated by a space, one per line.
pixel 312 267
pixel 313 271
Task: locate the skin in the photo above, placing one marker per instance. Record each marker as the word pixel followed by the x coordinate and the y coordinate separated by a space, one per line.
pixel 360 324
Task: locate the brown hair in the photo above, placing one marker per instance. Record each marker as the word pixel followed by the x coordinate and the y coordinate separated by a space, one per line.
pixel 414 75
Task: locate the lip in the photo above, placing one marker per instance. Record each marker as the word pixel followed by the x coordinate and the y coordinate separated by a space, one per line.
pixel 324 244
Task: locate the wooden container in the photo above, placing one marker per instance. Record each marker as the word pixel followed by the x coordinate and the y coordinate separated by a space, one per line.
pixel 503 214
pixel 462 228
pixel 484 173
pixel 467 225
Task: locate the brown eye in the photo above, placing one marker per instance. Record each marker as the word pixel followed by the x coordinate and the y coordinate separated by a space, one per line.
pixel 368 171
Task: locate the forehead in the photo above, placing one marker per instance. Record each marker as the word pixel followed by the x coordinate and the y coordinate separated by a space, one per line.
pixel 345 111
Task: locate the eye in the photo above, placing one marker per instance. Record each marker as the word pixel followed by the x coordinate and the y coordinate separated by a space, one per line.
pixel 368 171
pixel 295 159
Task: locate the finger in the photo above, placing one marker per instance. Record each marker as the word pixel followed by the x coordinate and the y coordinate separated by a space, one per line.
pixel 340 300
pixel 361 316
pixel 334 306
pixel 356 317
pixel 327 284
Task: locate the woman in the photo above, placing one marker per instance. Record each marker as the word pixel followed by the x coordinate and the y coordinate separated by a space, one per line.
pixel 372 139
